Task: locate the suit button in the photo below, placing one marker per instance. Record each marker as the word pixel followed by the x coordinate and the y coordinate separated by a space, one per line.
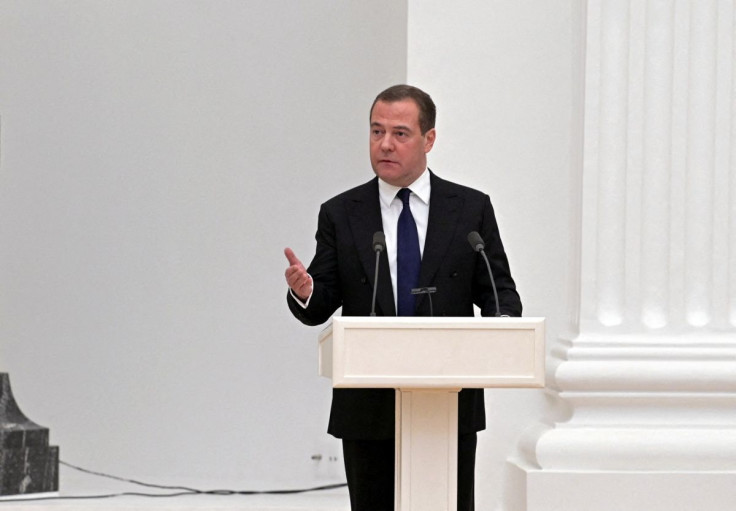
pixel 364 280
pixel 453 275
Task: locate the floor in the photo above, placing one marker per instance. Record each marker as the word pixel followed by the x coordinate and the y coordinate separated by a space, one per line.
pixel 334 500
pixel 76 484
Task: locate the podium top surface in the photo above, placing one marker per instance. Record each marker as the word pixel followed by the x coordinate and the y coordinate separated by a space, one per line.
pixel 440 352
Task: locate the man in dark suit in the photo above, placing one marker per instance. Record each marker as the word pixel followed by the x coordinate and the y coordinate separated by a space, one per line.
pixel 436 216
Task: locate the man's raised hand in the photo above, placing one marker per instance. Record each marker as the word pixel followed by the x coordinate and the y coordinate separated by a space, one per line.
pixel 297 277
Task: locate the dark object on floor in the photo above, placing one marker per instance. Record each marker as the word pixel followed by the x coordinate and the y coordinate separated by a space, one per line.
pixel 27 463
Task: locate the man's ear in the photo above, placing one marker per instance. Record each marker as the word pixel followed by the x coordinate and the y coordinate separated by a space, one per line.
pixel 429 138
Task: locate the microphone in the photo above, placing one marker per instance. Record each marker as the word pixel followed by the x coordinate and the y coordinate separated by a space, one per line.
pixel 379 241
pixel 478 246
pixel 379 245
pixel 476 241
pixel 426 291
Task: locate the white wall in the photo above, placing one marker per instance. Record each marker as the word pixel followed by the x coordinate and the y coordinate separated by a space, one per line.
pixel 155 158
pixel 506 77
pixel 142 313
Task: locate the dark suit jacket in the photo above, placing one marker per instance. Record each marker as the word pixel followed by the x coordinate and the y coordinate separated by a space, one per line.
pixel 343 269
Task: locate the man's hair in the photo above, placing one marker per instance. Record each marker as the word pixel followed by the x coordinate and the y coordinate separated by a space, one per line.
pixel 427 110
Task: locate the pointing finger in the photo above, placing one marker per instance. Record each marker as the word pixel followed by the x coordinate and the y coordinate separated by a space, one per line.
pixel 291 257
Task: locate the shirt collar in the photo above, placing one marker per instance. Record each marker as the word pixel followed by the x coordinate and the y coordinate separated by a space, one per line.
pixel 421 188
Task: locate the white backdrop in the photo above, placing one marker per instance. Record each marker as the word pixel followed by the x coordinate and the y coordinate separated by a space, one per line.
pixel 156 157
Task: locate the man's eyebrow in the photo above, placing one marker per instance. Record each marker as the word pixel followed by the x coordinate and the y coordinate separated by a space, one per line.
pixel 394 128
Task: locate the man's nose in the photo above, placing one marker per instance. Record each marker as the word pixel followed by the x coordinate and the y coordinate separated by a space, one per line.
pixel 387 143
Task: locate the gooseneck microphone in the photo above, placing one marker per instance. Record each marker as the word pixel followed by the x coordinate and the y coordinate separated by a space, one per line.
pixel 479 246
pixel 379 245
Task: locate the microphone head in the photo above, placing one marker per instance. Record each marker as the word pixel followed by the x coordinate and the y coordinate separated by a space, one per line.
pixel 379 241
pixel 476 241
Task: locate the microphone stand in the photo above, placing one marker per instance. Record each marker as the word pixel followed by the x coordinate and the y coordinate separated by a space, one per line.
pixel 375 284
pixel 478 245
pixel 379 245
pixel 493 282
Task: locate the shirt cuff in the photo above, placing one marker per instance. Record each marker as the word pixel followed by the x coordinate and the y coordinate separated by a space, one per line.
pixel 302 304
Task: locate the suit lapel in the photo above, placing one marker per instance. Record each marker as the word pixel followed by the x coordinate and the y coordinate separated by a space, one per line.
pixel 444 211
pixel 364 216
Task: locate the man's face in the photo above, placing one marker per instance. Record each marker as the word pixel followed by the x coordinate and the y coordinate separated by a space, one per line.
pixel 398 148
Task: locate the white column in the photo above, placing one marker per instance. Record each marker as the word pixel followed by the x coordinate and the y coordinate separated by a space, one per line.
pixel 647 389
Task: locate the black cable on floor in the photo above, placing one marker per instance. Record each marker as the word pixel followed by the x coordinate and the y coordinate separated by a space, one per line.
pixel 183 490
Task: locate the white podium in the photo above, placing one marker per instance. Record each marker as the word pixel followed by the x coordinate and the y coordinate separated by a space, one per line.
pixel 428 361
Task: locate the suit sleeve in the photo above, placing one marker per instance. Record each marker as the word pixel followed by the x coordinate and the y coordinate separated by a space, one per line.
pixel 326 295
pixel 508 297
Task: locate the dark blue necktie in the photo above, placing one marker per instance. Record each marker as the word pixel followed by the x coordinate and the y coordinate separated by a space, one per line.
pixel 408 258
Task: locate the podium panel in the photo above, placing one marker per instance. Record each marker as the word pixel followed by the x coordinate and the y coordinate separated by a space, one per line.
pixel 418 352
